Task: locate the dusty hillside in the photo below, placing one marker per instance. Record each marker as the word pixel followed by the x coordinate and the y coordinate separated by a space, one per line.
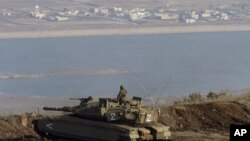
pixel 207 121
pixel 11 129
pixel 207 116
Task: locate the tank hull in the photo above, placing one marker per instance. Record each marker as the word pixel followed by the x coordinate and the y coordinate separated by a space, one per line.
pixel 70 127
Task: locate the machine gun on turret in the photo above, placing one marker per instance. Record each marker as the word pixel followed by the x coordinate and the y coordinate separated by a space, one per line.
pixel 84 100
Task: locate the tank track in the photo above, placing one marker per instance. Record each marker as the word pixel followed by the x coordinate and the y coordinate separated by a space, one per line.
pixel 75 129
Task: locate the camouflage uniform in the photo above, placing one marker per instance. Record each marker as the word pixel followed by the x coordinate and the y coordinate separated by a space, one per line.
pixel 122 95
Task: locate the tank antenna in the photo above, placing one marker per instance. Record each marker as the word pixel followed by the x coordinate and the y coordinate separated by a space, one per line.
pixel 164 88
pixel 140 84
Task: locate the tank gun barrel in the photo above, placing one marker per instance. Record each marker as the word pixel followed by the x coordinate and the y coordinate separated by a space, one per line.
pixel 64 109
pixel 77 98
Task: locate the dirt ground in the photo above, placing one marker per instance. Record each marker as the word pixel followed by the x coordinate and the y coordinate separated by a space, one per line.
pixel 11 129
pixel 207 121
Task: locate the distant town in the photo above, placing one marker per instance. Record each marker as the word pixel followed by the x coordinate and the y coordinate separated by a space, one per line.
pixel 166 13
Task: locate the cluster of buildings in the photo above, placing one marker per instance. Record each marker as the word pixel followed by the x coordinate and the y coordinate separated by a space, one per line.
pixel 206 15
pixel 164 13
pixel 63 15
pixel 134 15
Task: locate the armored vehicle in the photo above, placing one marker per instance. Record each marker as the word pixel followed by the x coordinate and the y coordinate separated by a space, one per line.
pixel 105 119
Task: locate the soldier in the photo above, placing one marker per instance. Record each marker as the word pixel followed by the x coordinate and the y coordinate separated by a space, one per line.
pixel 122 94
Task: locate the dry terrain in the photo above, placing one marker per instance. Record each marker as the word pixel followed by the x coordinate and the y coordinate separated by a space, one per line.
pixel 206 121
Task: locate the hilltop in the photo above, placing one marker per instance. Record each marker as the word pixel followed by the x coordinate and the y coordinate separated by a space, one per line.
pixel 203 120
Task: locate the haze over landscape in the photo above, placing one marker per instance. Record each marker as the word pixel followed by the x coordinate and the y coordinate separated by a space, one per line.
pixel 61 66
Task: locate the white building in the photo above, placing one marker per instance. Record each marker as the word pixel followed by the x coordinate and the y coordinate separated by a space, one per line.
pixel 96 10
pixel 117 9
pixel 104 11
pixel 7 14
pixel 101 10
pixel 190 21
pixel 37 10
pixel 138 10
pixel 134 16
pixel 87 14
pixel 37 13
pixel 72 13
pixel 119 14
pixel 194 15
pixel 206 13
pixel 137 14
pixel 224 16
pixel 60 18
pixel 165 16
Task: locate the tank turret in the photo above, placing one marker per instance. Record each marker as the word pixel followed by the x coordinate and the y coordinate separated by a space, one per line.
pixel 129 111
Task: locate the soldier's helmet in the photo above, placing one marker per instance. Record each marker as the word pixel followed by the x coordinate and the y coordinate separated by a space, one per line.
pixel 90 98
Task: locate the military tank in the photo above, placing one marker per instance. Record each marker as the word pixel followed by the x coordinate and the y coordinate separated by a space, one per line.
pixel 105 119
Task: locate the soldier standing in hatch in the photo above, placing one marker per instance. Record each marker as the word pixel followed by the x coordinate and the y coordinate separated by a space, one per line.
pixel 122 94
